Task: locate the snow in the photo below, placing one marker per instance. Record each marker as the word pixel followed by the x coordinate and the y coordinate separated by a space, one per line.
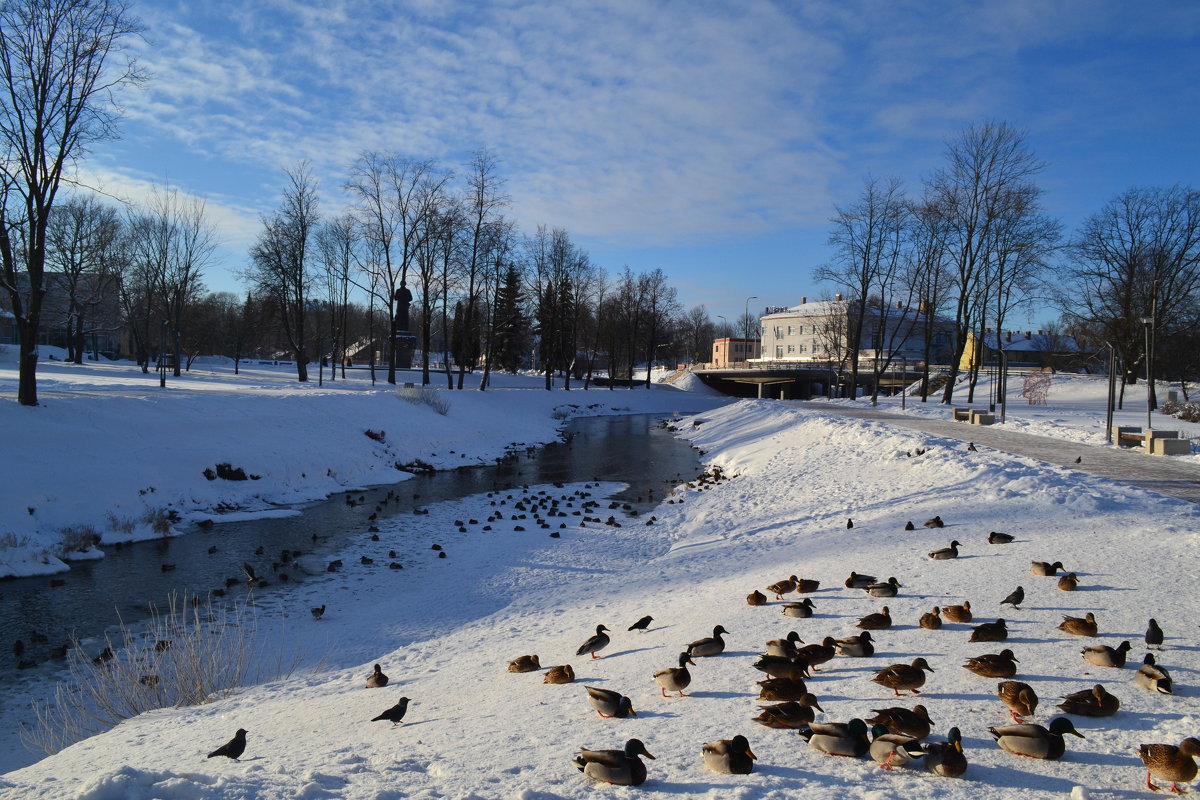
pixel 445 629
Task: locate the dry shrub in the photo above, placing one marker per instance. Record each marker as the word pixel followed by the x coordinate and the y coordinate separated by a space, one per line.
pixel 424 396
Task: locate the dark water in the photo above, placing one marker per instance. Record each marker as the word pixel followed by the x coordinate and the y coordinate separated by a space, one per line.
pixel 96 595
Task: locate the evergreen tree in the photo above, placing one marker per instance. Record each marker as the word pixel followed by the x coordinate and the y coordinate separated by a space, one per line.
pixel 512 327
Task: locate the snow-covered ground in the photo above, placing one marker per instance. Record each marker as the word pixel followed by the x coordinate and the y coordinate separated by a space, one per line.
pixel 445 631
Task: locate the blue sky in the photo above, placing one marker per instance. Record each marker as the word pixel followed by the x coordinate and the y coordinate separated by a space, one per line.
pixel 711 139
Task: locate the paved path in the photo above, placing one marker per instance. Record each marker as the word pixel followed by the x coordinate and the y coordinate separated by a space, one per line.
pixel 1161 474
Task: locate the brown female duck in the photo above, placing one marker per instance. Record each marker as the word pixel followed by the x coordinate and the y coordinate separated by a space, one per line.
pixel 958 613
pixel 1019 698
pixel 1169 762
pixel 1079 626
pixel 1094 702
pixel 993 665
pixel 990 632
pixel 792 714
pixel 913 721
pixel 932 620
pixel 904 676
pixel 877 621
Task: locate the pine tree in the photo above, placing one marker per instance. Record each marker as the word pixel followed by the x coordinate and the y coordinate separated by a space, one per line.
pixel 512 327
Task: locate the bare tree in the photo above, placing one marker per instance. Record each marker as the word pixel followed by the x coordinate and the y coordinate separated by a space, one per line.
pixel 337 246
pixel 59 75
pixel 928 278
pixel 661 307
pixel 483 200
pixel 280 262
pixel 82 249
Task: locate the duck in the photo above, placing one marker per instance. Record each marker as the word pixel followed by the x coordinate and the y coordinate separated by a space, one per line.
pixel 729 756
pixel 709 646
pixel 1168 762
pixel 993 665
pixel 1068 582
pixel 990 632
pixel 609 703
pixel 932 620
pixel 904 676
pixel 792 714
pixel 1019 698
pixel 860 646
pixel 996 537
pixel 377 679
pixel 1153 677
pixel 838 738
pixel 878 621
pixel 595 643
pixel 893 749
pixel 1079 626
pixel 1154 634
pixel 563 673
pixel 958 613
pixel 1105 656
pixel 946 759
pixel 756 598
pixel 1035 741
pixel 781 689
pixel 675 679
pixel 914 722
pixel 793 667
pixel 524 664
pixel 807 586
pixel 1015 597
pixel 619 767
pixel 888 589
pixel 946 552
pixel 801 610
pixel 936 522
pixel 1094 702
pixel 817 654
pixel 1044 568
pixel 780 588
pixel 856 581
pixel 783 647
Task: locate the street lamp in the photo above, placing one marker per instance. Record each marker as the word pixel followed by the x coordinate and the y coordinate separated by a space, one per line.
pixel 725 327
pixel 746 316
pixel 1112 388
pixel 1148 323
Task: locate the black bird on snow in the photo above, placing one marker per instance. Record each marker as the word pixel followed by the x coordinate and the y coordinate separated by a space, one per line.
pixel 972 448
pixel 1154 634
pixel 910 526
pixel 1015 598
pixel 233 748
pixel 642 624
pixel 1079 459
pixel 849 524
pixel 318 611
pixel 395 713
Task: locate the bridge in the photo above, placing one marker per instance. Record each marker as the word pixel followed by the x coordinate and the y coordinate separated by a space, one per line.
pixel 798 380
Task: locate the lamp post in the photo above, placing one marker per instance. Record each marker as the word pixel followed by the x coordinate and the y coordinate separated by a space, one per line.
pixel 725 327
pixel 162 354
pixel 1002 384
pixel 745 316
pixel 1148 323
pixel 1112 388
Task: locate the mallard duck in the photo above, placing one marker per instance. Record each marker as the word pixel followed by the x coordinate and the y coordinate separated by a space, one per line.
pixel 904 676
pixel 1035 741
pixel 817 654
pixel 524 664
pixel 878 621
pixel 792 714
pixel 856 646
pixel 1079 626
pixel 1105 656
pixel 1020 699
pixel 996 537
pixel 1015 597
pixel 780 588
pixel 1153 677
pixel 1094 702
pixel 801 610
pixel 1170 763
pixel 993 665
pixel 893 749
pixel 620 767
pixel 792 667
pixel 888 589
pixel 958 613
pixel 807 586
pixel 946 552
pixel 377 679
pixel 1044 568
pixel 914 722
pixel 936 522
pixel 990 632
pixel 609 703
pixel 932 620
pixel 946 758
pixel 1068 582
pixel 1154 634
pixel 729 756
pixel 783 647
pixel 675 679
pixel 595 643
pixel 709 646
pixel 756 598
pixel 856 581
pixel 838 738
pixel 563 673
pixel 778 689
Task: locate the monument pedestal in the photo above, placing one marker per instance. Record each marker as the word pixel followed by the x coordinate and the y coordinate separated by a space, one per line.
pixel 406 344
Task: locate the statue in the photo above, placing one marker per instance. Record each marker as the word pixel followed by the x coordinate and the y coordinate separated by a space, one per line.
pixel 405 342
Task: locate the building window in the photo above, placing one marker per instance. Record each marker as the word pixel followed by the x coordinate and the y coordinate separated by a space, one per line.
pixel 791 330
pixel 779 351
pixel 802 348
pixel 791 348
pixel 801 330
pixel 778 332
pixel 816 348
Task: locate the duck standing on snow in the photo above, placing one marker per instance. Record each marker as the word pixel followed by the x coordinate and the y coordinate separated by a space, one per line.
pixel 377 680
pixel 1094 702
pixel 709 646
pixel 1168 762
pixel 904 676
pixel 595 643
pixel 1153 677
pixel 1019 698
pixel 729 756
pixel 838 738
pixel 780 588
pixel 620 767
pixel 609 703
pixel 1035 741
pixel 946 552
pixel 675 679
pixel 946 759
